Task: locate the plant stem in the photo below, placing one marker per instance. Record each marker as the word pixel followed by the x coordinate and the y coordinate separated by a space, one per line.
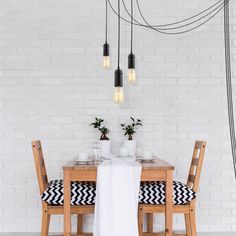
pixel 104 137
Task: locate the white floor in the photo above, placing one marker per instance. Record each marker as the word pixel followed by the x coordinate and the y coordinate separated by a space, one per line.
pixel 199 234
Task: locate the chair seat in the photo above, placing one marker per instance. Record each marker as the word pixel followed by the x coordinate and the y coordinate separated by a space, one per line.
pixel 83 193
pixel 154 193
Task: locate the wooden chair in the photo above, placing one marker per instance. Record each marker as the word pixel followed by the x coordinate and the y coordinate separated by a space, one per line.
pixel 48 210
pixel 188 209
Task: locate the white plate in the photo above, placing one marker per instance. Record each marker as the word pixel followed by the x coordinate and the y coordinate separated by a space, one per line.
pixel 146 160
pixel 107 158
pixel 82 162
pixel 118 156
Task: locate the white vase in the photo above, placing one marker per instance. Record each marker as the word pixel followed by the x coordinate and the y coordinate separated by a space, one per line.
pixel 130 145
pixel 105 147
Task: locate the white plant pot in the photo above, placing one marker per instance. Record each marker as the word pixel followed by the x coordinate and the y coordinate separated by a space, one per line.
pixel 105 147
pixel 130 145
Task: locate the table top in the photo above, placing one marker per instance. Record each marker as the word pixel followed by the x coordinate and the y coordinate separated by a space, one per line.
pixel 158 164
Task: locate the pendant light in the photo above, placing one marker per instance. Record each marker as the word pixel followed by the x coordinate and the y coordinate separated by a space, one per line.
pixel 106 57
pixel 118 83
pixel 131 57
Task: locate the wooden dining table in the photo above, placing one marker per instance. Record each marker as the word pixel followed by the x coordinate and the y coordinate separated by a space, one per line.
pixel 157 170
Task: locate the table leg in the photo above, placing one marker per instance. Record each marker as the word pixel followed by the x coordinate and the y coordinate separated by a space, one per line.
pixel 169 204
pixel 67 209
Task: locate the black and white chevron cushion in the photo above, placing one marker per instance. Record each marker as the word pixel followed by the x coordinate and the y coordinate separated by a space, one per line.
pixel 154 193
pixel 82 193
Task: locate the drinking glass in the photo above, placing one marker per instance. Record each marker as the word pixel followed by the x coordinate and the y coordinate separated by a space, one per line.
pixel 96 152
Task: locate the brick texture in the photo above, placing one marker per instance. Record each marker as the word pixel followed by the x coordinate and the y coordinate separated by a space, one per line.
pixel 52 84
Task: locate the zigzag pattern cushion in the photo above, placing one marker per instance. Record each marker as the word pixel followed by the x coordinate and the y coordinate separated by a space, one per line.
pixel 82 193
pixel 154 193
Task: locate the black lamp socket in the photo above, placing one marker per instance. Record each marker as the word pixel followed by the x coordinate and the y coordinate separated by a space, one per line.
pixel 131 61
pixel 118 78
pixel 105 49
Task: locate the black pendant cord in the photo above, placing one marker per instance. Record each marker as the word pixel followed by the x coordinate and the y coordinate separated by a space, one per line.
pixel 156 26
pixel 160 27
pixel 118 34
pixel 106 23
pixel 118 82
pixel 185 31
pixel 229 84
pixel 132 21
pixel 192 22
pixel 171 33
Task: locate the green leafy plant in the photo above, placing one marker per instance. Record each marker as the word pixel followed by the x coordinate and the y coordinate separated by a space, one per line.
pixel 130 129
pixel 97 124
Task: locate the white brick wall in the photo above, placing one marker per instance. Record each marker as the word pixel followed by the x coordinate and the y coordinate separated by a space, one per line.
pixel 52 85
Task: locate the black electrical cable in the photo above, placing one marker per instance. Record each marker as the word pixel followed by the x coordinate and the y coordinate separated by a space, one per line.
pixel 181 32
pixel 132 21
pixel 170 33
pixel 128 21
pixel 229 84
pixel 185 20
pixel 140 24
pixel 118 34
pixel 192 22
pixel 106 23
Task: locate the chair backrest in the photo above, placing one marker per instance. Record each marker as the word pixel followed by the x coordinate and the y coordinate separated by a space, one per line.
pixel 40 165
pixel 196 165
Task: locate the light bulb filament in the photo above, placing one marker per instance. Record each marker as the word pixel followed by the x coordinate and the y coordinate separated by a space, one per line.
pixel 118 95
pixel 131 76
pixel 106 62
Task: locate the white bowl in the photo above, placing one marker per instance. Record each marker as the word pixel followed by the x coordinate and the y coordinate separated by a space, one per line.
pixel 83 156
pixel 147 155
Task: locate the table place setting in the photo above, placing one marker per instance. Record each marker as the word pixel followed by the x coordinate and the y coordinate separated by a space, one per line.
pixel 83 158
pixel 117 185
pixel 146 157
pixel 117 179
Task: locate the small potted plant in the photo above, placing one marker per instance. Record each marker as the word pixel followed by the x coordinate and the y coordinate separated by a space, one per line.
pixel 105 143
pixel 130 130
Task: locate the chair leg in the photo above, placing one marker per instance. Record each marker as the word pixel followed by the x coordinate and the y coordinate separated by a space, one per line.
pixel 140 221
pixel 150 222
pixel 187 224
pixel 45 223
pixel 193 222
pixel 79 224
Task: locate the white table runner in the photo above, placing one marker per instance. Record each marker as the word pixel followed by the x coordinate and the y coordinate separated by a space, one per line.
pixel 116 207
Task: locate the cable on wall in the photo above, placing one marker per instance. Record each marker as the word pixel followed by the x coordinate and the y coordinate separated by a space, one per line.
pixel 185 31
pixel 147 25
pixel 143 25
pixel 160 27
pixel 229 83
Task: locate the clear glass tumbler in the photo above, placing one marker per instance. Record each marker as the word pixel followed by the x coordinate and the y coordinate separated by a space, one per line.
pixel 96 152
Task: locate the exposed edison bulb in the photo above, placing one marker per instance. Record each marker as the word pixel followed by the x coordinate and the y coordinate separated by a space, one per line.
pixel 131 76
pixel 106 62
pixel 118 95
